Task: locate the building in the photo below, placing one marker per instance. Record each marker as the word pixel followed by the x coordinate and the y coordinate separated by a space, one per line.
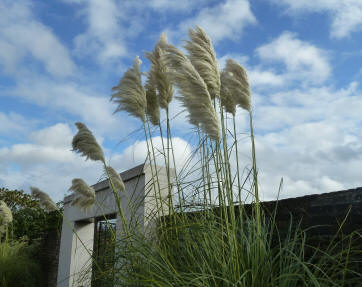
pixel 81 229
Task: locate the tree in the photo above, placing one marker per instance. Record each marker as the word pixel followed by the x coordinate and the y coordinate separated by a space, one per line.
pixel 29 219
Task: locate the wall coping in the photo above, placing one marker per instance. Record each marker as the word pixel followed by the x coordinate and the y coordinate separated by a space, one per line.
pixel 104 184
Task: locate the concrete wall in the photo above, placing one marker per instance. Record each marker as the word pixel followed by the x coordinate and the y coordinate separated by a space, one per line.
pixel 140 207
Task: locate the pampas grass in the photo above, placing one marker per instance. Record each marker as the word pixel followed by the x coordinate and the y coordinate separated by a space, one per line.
pixel 86 194
pixel 44 199
pixel 18 264
pixel 236 80
pixel 116 179
pixel 129 94
pixel 226 98
pixel 6 216
pixel 153 108
pixel 195 95
pixel 158 74
pixel 207 240
pixel 203 58
pixel 86 144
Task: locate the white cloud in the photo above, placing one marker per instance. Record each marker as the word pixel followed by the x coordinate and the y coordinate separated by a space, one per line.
pixel 68 98
pixel 51 144
pixel 223 21
pixel 13 124
pixel 46 161
pixel 302 60
pixel 105 33
pixel 258 77
pixel 311 137
pixel 21 34
pixel 346 15
pixel 110 23
pixel 265 78
pixel 290 108
pixel 175 5
pixel 59 136
pixel 33 154
pixel 137 153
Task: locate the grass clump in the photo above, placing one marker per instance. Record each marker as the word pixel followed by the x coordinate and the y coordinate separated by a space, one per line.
pixel 17 265
pixel 208 237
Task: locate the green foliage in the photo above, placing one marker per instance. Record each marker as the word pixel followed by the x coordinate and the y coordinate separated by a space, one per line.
pixel 196 251
pixel 29 219
pixel 17 268
pixel 17 199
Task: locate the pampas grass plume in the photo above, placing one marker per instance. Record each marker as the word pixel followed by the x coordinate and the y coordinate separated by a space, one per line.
pixel 85 143
pixel 226 97
pixel 158 74
pixel 129 94
pixel 236 80
pixel 195 95
pixel 153 108
pixel 116 179
pixel 86 194
pixel 5 214
pixel 44 199
pixel 203 58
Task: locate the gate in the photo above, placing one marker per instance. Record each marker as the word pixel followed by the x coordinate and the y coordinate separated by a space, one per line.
pixel 104 251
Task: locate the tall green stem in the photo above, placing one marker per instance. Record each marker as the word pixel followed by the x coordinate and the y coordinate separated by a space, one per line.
pixel 180 193
pixel 118 202
pixel 170 201
pixel 255 175
pixel 237 168
pixel 157 196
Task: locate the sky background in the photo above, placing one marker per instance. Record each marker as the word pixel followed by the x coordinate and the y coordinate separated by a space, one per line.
pixel 60 59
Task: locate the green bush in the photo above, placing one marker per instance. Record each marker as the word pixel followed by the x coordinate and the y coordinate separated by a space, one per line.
pixel 17 267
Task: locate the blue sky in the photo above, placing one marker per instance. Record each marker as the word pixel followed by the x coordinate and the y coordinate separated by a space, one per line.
pixel 60 59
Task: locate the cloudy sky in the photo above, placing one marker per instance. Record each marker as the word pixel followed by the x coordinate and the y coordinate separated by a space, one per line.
pixel 59 60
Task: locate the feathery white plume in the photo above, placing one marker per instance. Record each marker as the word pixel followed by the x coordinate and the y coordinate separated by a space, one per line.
pixel 86 194
pixel 116 179
pixel 226 97
pixel 5 216
pixel 158 74
pixel 85 143
pixel 44 199
pixel 236 80
pixel 203 58
pixel 153 108
pixel 129 94
pixel 195 95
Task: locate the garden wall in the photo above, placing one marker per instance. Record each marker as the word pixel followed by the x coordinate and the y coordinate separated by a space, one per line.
pixel 326 210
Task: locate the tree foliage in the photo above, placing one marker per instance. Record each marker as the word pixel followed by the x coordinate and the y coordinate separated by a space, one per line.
pixel 30 220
